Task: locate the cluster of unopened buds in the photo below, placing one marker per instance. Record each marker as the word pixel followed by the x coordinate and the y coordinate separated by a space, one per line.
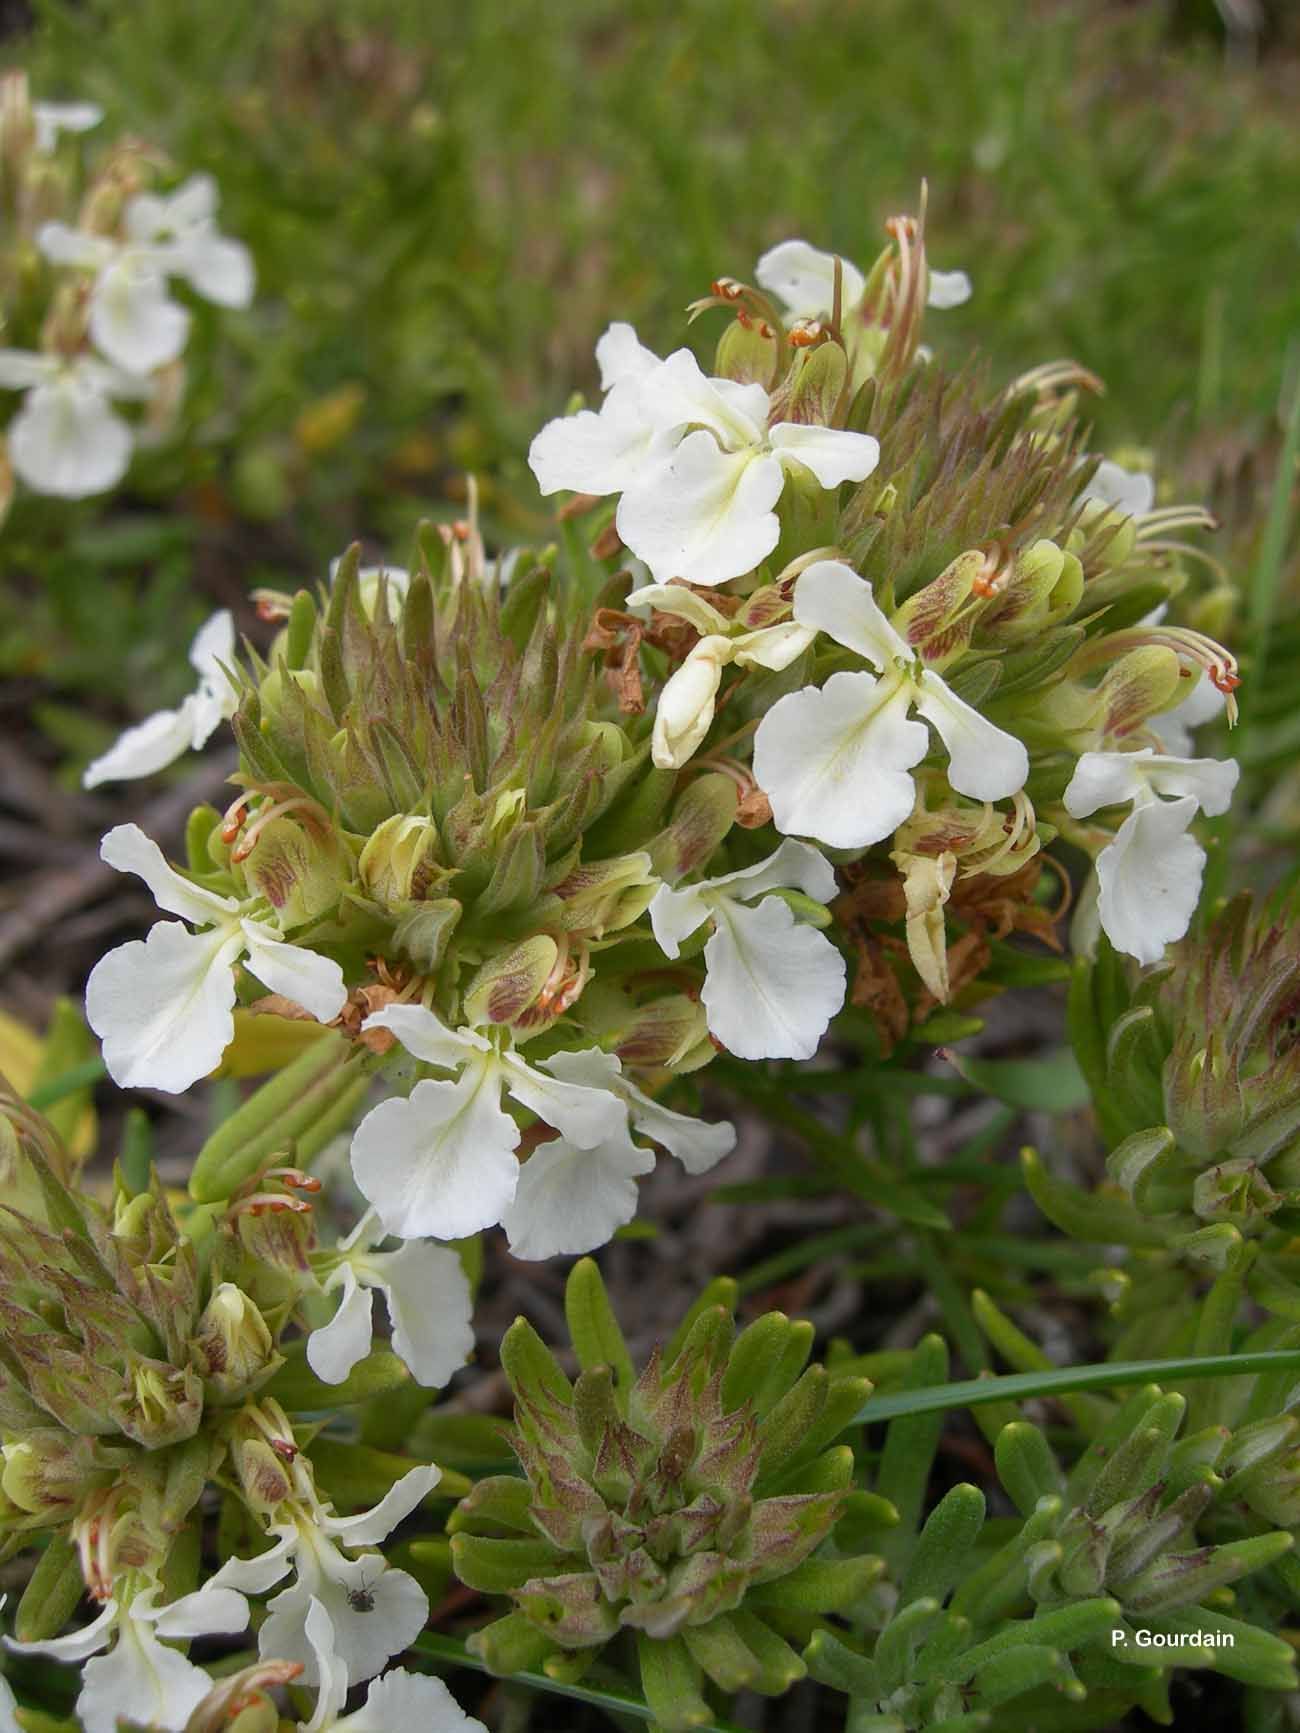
pixel 87 272
pixel 529 849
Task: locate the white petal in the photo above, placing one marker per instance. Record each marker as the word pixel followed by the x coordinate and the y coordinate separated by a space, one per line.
pixel 678 600
pixel 1174 727
pixel 128 850
pixel 1106 779
pixel 52 118
pixel 133 320
pixel 1149 879
pixel 830 597
pixel 9 1709
pixel 678 394
pixel 208 1611
pixel 571 1200
pixel 426 1036
pixel 1128 491
pixel 773 647
pixel 698 1145
pixel 331 1674
pixel 219 269
pixel 773 984
pixel 75 1645
pixel 67 441
pixel 163 1006
pixel 21 368
pixel 675 915
pixel 151 745
pixel 1210 781
pixel 335 1348
pixel 140 1680
pixel 253 1576
pixel 684 713
pixel 430 1307
pixel 984 761
pixel 792 866
pixel 595 451
pixel 834 763
pixel 703 514
pixel 585 1116
pixel 369 1527
pixel 314 982
pixel 832 454
pixel 214 643
pixel 363 1641
pixel 441 1163
pixel 63 245
pixel 948 289
pixel 620 354
pixel 804 278
pixel 413 1703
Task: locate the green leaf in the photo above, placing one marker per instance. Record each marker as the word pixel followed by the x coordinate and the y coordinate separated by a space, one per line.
pixel 1021 1386
pixel 597 1339
pixel 1053 1084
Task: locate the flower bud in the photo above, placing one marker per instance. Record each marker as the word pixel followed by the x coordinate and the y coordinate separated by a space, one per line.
pixel 749 351
pixel 702 816
pixel 298 867
pixel 233 1350
pixel 399 862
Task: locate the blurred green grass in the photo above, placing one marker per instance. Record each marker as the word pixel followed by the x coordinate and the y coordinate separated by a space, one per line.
pixel 448 204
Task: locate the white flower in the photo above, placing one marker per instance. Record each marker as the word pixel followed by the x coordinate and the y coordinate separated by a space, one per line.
pixel 1174 728
pixel 570 1200
pixel 131 316
pixel 400 1702
pixel 1126 491
pixel 52 118
pixel 802 277
pixel 429 1306
pixel 375 1611
pixel 835 762
pixel 182 225
pixel 8 1709
pixel 697 465
pixel 773 983
pixel 1149 877
pixel 685 710
pixel 66 439
pixel 442 1162
pixel 162 737
pixel 163 1005
pixel 140 1679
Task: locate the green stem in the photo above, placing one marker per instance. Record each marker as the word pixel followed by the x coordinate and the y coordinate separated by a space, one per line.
pixel 1020 1386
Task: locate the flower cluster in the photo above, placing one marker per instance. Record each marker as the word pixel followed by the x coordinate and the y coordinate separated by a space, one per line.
pixel 859 657
pixel 87 273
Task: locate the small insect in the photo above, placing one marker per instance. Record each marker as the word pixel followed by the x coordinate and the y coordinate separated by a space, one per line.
pixel 361 1599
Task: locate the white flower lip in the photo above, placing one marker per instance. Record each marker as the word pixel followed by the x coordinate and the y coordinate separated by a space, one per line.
pixel 312 1543
pixel 772 983
pixel 66 439
pixel 429 1306
pixel 163 1006
pixel 835 762
pixel 442 1162
pixel 161 738
pixel 140 1677
pixel 1149 876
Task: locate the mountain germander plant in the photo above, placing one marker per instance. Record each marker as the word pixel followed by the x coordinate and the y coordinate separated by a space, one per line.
pixel 850 669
